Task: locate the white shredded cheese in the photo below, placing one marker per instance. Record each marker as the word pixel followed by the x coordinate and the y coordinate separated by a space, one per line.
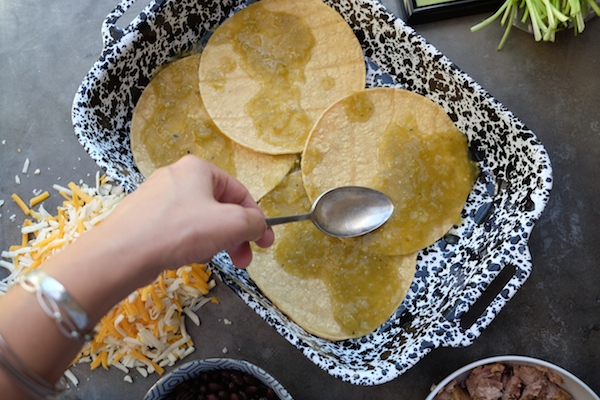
pixel 117 365
pixel 192 315
pixel 71 377
pixel 25 166
pixel 17 180
pixel 7 265
pixel 63 189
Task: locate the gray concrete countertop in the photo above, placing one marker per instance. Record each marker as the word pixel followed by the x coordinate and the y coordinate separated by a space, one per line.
pixel 46 48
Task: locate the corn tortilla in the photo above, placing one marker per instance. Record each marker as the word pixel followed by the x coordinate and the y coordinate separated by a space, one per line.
pixel 403 144
pixel 270 70
pixel 170 121
pixel 326 285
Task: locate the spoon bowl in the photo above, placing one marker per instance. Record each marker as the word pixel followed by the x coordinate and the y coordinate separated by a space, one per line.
pixel 346 211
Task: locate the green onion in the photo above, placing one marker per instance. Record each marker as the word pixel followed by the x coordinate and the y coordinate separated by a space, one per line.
pixel 546 17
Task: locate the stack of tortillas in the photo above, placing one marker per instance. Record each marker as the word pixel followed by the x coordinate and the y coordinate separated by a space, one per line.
pixel 392 140
pixel 170 121
pixel 283 80
pixel 278 64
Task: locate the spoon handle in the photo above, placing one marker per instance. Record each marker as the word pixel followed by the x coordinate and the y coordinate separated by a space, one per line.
pixel 284 220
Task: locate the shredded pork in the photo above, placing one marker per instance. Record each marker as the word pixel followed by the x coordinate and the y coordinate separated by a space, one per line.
pixel 500 382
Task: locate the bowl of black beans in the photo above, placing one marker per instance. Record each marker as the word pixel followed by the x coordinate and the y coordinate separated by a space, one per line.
pixel 218 379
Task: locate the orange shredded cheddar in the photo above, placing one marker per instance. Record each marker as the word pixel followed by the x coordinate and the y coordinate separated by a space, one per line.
pixel 79 193
pixel 156 299
pixel 178 304
pixel 110 327
pixel 80 226
pixel 185 275
pixel 38 199
pixel 101 359
pixel 171 274
pixel 202 271
pixel 160 370
pixel 34 265
pixel 140 306
pixel 20 203
pixel 161 285
pixel 65 196
pixel 129 309
pixel 201 285
pixel 47 241
pixel 118 357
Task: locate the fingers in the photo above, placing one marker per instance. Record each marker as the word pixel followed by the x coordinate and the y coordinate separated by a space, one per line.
pixel 267 239
pixel 229 190
pixel 239 224
pixel 241 255
pixel 236 228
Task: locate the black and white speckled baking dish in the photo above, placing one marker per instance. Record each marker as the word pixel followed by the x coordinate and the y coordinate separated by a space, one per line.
pixel 452 274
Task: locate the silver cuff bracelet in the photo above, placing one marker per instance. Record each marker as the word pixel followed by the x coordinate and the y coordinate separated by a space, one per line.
pixel 70 317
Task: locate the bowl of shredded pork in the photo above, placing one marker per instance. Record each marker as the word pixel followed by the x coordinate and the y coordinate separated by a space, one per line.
pixel 511 378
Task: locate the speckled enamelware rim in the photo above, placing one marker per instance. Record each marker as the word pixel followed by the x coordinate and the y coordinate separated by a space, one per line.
pixel 452 274
pixel 573 385
pixel 193 369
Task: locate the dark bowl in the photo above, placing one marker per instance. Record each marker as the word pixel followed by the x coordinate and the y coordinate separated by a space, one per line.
pixel 193 369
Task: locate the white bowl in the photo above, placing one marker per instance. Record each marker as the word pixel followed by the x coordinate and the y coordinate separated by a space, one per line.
pixel 573 385
pixel 167 384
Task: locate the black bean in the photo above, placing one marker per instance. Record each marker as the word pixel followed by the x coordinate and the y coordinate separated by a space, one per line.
pixel 215 386
pixel 251 389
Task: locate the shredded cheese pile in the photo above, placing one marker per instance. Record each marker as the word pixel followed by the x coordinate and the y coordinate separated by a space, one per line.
pixel 146 331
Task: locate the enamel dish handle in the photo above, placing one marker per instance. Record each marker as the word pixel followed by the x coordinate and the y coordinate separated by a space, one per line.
pixel 110 31
pixel 456 334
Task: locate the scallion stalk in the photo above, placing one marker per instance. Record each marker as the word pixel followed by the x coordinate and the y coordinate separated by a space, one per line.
pixel 547 17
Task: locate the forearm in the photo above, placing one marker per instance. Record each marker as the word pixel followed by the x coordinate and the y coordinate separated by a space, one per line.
pixel 96 272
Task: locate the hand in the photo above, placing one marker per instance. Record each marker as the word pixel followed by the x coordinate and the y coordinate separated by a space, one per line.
pixel 184 213
pixel 188 212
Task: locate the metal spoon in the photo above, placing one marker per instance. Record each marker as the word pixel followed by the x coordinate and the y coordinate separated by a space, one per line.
pixel 346 211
